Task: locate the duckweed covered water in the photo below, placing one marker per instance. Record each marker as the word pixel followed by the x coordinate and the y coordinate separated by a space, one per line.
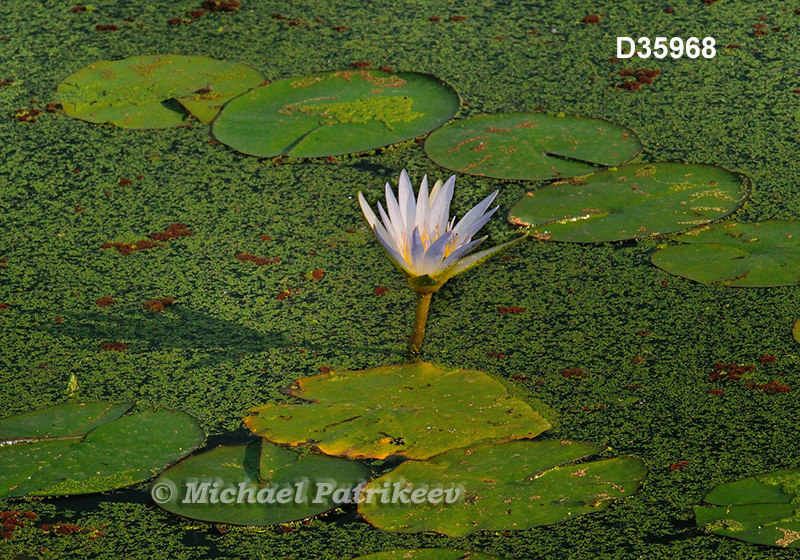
pixel 646 342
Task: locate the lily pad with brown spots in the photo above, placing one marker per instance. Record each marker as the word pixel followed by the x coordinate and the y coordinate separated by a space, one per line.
pixel 748 255
pixel 335 113
pixel 154 91
pixel 416 411
pixel 761 509
pixel 631 202
pixel 531 146
pixel 499 487
pixel 90 447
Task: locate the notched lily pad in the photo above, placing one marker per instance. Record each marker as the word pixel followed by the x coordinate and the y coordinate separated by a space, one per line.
pixel 631 202
pixel 755 255
pixel 531 146
pixel 504 486
pixel 154 91
pixel 761 509
pixel 416 411
pixel 429 554
pixel 257 484
pixel 90 447
pixel 335 113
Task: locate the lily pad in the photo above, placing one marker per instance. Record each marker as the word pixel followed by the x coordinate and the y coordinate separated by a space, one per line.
pixel 334 113
pixel 761 509
pixel 531 146
pixel 429 554
pixel 753 255
pixel 257 484
pixel 416 411
pixel 154 91
pixel 90 447
pixel 631 202
pixel 504 486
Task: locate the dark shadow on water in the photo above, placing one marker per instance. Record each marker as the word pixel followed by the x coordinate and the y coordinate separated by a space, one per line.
pixel 211 340
pixel 176 327
pixel 374 168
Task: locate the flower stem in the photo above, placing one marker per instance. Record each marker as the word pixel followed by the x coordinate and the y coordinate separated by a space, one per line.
pixel 415 344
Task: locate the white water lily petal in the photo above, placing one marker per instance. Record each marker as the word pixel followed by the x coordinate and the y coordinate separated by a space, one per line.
pixel 368 213
pixel 470 228
pixel 393 208
pixel 396 236
pixel 416 253
pixel 460 252
pixel 406 202
pixel 434 256
pixel 396 257
pixel 465 226
pixel 473 260
pixel 419 234
pixel 422 204
pixel 440 206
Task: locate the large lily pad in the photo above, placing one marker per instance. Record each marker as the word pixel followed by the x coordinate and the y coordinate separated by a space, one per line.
pixel 429 554
pixel 334 113
pixel 531 146
pixel 754 255
pixel 631 202
pixel 504 486
pixel 90 447
pixel 761 509
pixel 154 91
pixel 417 411
pixel 257 484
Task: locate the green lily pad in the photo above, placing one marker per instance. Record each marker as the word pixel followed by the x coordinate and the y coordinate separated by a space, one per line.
pixel 257 484
pixel 334 113
pixel 90 447
pixel 531 146
pixel 754 255
pixel 761 509
pixel 154 91
pixel 498 487
pixel 796 331
pixel 631 202
pixel 429 554
pixel 416 411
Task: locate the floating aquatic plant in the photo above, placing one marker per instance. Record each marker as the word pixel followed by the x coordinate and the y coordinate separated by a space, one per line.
pixel 505 486
pixel 335 113
pixel 86 447
pixel 154 91
pixel 414 411
pixel 257 484
pixel 761 509
pixel 742 255
pixel 531 146
pixel 631 202
pixel 426 245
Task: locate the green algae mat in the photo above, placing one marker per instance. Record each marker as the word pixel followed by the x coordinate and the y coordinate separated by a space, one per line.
pixel 282 279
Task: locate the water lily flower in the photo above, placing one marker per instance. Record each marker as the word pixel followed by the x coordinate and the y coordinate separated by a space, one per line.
pixel 423 241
